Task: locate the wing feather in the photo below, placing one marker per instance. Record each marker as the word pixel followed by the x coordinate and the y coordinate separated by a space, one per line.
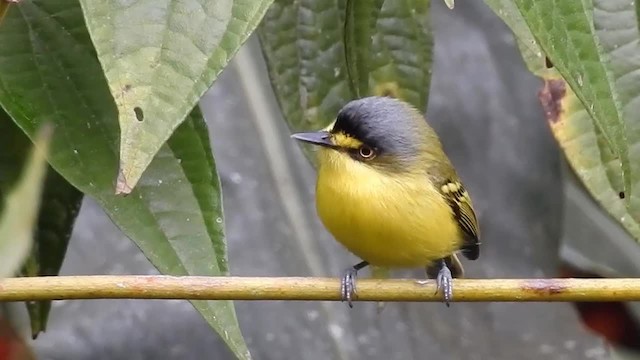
pixel 463 213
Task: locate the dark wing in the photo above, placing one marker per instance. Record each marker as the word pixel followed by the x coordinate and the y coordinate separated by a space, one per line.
pixel 460 203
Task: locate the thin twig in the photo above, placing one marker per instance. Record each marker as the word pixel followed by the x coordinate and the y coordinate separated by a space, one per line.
pixel 298 288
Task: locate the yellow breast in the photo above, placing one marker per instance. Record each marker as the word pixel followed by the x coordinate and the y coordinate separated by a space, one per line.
pixel 387 220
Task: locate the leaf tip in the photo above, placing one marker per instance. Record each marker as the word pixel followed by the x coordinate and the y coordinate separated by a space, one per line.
pixel 450 4
pixel 38 315
pixel 122 186
pixel 35 332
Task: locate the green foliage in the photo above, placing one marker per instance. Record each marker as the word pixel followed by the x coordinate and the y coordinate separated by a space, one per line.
pixel 157 75
pixel 175 213
pixel 317 63
pixel 120 83
pixel 595 61
pixel 59 207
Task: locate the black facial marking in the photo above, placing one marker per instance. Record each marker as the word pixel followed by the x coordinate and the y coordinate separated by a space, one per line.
pixel 385 124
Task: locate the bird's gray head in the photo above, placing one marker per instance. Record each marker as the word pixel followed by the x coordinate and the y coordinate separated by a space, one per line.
pixel 382 132
pixel 392 128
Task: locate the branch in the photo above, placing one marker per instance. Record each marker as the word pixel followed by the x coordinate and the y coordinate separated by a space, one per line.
pixel 298 288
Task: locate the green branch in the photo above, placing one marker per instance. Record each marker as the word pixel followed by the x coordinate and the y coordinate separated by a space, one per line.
pixel 298 288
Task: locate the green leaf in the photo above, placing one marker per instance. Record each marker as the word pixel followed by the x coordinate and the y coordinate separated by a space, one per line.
pixel 58 210
pixel 303 43
pixel 586 150
pixel 21 205
pixel 568 37
pixel 402 52
pixel 530 49
pixel 159 57
pixel 306 66
pixel 594 49
pixel 49 72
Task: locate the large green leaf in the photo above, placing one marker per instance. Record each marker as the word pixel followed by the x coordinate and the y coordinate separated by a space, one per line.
pixel 49 72
pixel 569 38
pixel 159 57
pixel 58 210
pixel 592 90
pixel 21 205
pixel 308 67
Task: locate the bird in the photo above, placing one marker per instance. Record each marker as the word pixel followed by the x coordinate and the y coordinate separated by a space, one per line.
pixel 386 190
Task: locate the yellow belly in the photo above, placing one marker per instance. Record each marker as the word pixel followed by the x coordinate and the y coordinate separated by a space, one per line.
pixel 390 221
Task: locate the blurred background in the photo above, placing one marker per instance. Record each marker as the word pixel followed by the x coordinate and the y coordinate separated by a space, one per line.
pixel 483 103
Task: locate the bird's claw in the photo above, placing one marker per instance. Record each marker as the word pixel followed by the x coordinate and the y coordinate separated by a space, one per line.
pixel 348 285
pixel 444 282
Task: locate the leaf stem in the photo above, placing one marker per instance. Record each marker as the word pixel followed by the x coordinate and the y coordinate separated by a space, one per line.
pixel 359 28
pixel 318 289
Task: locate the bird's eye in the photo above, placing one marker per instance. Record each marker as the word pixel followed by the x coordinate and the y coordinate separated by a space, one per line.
pixel 366 152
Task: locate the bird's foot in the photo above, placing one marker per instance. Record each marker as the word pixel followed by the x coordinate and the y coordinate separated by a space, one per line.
pixel 444 282
pixel 348 283
pixel 443 276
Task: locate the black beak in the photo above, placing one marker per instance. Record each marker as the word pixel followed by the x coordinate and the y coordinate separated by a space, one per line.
pixel 322 138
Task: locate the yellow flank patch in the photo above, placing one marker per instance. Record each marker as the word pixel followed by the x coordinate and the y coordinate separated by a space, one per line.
pixel 343 140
